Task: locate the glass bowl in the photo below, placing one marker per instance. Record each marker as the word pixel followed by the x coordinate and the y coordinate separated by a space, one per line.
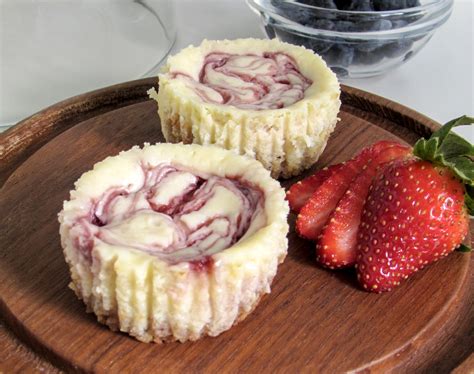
pixel 52 50
pixel 355 44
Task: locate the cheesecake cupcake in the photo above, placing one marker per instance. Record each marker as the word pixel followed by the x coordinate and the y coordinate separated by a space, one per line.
pixel 270 100
pixel 172 241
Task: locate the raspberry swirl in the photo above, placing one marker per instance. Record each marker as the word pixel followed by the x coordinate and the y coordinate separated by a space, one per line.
pixel 176 215
pixel 270 81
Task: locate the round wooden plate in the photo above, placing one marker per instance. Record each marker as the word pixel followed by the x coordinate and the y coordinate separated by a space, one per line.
pixel 314 319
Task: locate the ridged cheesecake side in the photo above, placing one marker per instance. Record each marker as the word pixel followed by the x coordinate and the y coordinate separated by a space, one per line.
pixel 152 300
pixel 286 141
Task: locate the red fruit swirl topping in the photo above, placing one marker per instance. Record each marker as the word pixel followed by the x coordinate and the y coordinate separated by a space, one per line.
pixel 177 215
pixel 270 81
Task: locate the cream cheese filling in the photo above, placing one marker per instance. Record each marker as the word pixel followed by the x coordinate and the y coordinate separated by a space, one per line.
pixel 177 215
pixel 248 81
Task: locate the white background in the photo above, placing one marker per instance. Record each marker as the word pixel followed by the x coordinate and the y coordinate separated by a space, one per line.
pixel 437 82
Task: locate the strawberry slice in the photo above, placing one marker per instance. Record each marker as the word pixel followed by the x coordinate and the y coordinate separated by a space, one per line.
pixel 317 210
pixel 337 245
pixel 300 192
pixel 315 213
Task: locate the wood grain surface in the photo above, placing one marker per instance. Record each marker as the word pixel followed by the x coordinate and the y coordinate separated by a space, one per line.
pixel 313 321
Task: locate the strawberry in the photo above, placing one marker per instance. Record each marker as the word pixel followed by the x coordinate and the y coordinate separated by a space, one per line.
pixel 416 211
pixel 336 247
pixel 300 192
pixel 315 213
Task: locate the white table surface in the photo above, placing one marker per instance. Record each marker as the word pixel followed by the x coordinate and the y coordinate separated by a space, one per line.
pixel 438 81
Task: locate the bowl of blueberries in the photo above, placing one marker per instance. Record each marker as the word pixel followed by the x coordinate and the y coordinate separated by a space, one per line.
pixel 356 38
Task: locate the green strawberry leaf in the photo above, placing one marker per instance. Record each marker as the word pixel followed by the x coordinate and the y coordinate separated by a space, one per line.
pixel 463 248
pixel 445 148
pixel 463 167
pixel 469 200
pixel 445 130
pixel 443 143
pixel 454 145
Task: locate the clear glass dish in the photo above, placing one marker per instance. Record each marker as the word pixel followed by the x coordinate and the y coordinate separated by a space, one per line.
pixel 355 44
pixel 52 50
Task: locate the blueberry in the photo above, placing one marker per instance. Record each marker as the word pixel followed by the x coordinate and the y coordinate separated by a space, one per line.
pixel 377 5
pixel 360 6
pixel 292 12
pixel 323 24
pixel 378 25
pixel 340 72
pixel 340 55
pixel 329 4
pixel 413 3
pixel 344 26
pixel 382 5
pixel 361 26
pixel 299 15
pixel 291 38
pixel 342 4
pixel 397 48
pixel 381 25
pixel 367 46
pixel 319 46
pixel 346 55
pixel 368 58
pixel 399 23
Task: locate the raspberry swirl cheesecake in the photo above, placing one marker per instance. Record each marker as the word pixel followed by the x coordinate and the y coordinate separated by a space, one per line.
pixel 173 241
pixel 273 101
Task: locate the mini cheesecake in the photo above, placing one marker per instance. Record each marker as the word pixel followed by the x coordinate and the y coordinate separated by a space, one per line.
pixel 172 241
pixel 270 100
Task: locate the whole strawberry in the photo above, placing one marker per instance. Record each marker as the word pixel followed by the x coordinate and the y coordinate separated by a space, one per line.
pixel 417 210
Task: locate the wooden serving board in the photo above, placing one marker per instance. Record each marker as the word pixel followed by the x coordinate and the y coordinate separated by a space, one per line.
pixel 313 321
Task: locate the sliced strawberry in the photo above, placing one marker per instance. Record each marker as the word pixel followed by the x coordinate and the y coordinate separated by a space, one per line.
pixel 316 211
pixel 314 214
pixel 300 192
pixel 337 245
